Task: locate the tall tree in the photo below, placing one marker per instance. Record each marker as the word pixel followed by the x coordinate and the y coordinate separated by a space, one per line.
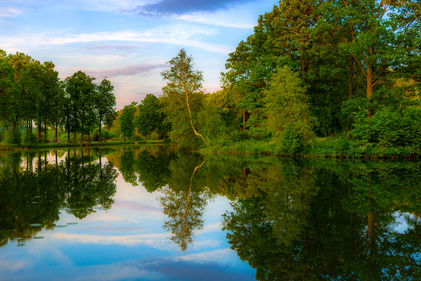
pixel 379 35
pixel 150 116
pixel 49 97
pixel 7 87
pixel 126 120
pixel 80 89
pixel 183 87
pixel 287 105
pixel 105 103
pixel 25 101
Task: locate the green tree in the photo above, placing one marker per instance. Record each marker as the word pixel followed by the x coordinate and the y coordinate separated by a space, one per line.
pixel 105 103
pixel 378 35
pixel 25 101
pixel 183 90
pixel 150 116
pixel 287 105
pixel 50 96
pixel 7 87
pixel 80 90
pixel 126 120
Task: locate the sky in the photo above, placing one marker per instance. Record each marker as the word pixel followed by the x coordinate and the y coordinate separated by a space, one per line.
pixel 129 42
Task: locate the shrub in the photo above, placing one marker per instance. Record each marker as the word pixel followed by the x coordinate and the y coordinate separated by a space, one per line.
pixel 13 138
pixel 29 138
pixel 341 146
pixel 104 135
pixel 290 142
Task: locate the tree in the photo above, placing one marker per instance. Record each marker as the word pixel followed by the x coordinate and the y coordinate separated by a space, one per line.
pixel 50 97
pixel 183 88
pixel 287 105
pixel 25 99
pixel 7 87
pixel 105 103
pixel 127 124
pixel 378 35
pixel 80 89
pixel 150 116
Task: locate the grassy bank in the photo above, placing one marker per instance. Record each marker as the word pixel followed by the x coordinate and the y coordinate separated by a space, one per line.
pixel 4 146
pixel 319 148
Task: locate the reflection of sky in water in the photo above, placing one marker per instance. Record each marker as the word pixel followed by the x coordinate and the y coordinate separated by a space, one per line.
pixel 124 243
pixel 401 221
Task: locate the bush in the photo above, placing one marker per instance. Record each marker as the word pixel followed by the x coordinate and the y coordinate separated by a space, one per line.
pixel 29 138
pixel 341 146
pixel 13 138
pixel 290 142
pixel 104 135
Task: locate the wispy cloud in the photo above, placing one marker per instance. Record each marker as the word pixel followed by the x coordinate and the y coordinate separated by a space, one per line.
pixel 126 71
pixel 223 18
pixel 154 240
pixel 180 35
pixel 9 12
pixel 113 47
pixel 218 256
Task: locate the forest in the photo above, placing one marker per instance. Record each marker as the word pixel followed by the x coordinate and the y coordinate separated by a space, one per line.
pixel 326 78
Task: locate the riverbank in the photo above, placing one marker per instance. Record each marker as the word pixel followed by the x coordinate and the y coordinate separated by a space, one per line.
pixel 4 146
pixel 319 148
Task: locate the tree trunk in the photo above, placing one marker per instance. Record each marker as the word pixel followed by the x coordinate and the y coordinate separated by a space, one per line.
pixel 39 132
pixel 370 91
pixel 74 136
pixel 351 70
pixel 55 138
pixel 99 131
pixel 45 132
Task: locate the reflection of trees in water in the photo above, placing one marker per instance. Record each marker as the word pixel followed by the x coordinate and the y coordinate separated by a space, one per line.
pixel 315 225
pixel 295 219
pixel 32 195
pixel 185 199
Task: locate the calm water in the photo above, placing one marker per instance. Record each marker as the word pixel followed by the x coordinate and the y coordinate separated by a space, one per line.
pixel 152 213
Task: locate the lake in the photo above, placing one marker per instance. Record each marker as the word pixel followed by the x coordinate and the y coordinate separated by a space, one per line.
pixel 158 213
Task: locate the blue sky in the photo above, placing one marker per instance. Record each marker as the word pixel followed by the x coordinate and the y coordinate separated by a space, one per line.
pixel 129 41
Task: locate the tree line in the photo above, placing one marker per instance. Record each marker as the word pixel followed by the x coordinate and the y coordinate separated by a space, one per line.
pixel 32 94
pixel 349 69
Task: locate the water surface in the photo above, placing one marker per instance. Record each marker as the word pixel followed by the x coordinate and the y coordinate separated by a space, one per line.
pixel 153 213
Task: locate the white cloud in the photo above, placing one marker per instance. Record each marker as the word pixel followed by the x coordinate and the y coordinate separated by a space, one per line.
pixel 15 265
pixel 179 35
pixel 225 18
pixel 217 256
pixel 154 240
pixel 9 12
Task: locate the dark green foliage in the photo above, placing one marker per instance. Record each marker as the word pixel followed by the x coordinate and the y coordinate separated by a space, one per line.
pixel 150 116
pixel 153 170
pixel 127 120
pixel 13 138
pixel 290 141
pixel 104 133
pixel 29 138
pixel 37 191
